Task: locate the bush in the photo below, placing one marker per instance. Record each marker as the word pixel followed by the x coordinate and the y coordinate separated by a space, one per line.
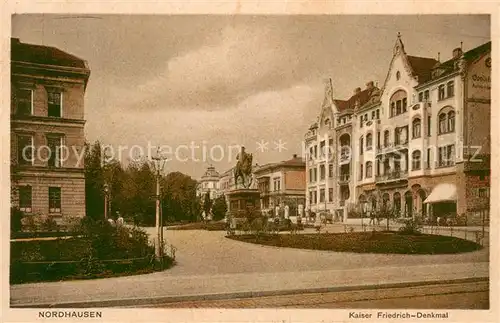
pixel 411 226
pixel 94 253
pixel 48 224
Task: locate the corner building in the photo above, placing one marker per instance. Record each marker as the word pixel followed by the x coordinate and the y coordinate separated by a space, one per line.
pixel 420 144
pixel 47 131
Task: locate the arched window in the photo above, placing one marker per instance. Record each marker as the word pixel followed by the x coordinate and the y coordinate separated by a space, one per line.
pixel 416 128
pixel 369 169
pixel 386 138
pixel 442 123
pixel 369 141
pixel 398 103
pixel 416 160
pixel 451 121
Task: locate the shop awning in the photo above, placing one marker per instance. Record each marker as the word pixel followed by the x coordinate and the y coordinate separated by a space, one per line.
pixel 442 193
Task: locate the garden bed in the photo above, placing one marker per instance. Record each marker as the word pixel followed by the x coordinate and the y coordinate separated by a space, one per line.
pixel 387 242
pixel 99 251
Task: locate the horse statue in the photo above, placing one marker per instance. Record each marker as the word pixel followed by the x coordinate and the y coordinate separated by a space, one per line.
pixel 243 169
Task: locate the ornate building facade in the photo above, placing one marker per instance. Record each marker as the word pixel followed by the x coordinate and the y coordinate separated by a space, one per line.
pixel 47 131
pixel 420 144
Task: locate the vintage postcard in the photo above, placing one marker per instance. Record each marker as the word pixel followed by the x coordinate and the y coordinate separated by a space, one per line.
pixel 292 165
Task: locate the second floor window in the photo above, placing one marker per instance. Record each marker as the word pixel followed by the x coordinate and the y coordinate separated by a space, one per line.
pixel 277 184
pixel 451 121
pixel 369 169
pixel 441 94
pixel 415 161
pixel 369 141
pixel 330 170
pixel 322 172
pixel 386 138
pixel 25 149
pixel 322 195
pixel 24 102
pixel 54 144
pixel 330 194
pixel 450 89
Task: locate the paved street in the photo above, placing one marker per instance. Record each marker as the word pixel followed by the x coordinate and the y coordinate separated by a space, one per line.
pixel 209 252
pixel 472 295
pixel 210 264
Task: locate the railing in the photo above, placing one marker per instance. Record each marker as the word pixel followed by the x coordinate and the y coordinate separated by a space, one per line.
pixel 392 146
pixel 345 158
pixel 395 175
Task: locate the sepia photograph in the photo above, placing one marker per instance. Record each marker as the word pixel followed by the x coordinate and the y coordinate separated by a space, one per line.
pixel 178 161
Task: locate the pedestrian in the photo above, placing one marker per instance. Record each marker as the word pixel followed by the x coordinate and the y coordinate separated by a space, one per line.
pixel 119 219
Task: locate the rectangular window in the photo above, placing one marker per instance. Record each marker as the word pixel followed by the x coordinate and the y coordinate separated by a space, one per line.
pixel 361 121
pixel 450 89
pixel 405 105
pixel 426 95
pixel 361 172
pixel 311 152
pixel 450 155
pixel 393 109
pixel 315 151
pixel 330 170
pixel 483 192
pixel 373 115
pixel 330 194
pixel 398 107
pixel 429 129
pixel 378 114
pixel 54 104
pixel 54 200
pixel 310 175
pixel 54 144
pixel 25 149
pixel 428 158
pixel 24 101
pixel 361 146
pixel 322 148
pixel 378 139
pixel 322 172
pixel 315 194
pixel 315 174
pixel 322 195
pixel 25 198
pixel 441 94
pixel 421 97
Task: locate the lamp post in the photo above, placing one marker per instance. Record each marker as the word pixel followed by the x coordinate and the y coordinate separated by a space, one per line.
pixel 106 192
pixel 159 163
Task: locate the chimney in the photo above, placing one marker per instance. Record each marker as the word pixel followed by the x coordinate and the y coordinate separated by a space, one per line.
pixel 369 85
pixel 357 90
pixel 457 52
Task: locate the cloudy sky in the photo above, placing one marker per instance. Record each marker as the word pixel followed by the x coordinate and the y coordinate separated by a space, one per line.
pixel 228 80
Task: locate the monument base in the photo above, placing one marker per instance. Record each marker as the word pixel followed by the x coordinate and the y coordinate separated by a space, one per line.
pixel 243 204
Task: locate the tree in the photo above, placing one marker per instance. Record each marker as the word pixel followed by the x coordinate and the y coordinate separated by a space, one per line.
pixel 179 197
pixel 219 208
pixel 207 205
pixel 94 181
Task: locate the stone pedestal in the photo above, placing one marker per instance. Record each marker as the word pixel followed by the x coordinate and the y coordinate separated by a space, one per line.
pixel 240 202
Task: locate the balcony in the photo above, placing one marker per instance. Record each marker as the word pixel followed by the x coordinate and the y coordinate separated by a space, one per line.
pixel 392 147
pixel 345 159
pixel 344 178
pixel 342 203
pixel 392 176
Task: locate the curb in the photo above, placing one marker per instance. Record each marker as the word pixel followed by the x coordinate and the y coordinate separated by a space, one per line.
pixel 130 302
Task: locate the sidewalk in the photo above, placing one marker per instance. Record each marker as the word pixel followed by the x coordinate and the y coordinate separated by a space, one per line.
pixel 127 291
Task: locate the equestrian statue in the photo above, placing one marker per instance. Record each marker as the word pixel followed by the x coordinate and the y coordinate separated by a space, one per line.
pixel 243 169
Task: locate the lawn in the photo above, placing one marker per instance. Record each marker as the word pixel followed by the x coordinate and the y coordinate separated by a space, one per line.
pixel 365 242
pixel 210 226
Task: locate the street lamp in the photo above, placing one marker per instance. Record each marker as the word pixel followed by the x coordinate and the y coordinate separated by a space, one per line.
pixel 106 192
pixel 159 163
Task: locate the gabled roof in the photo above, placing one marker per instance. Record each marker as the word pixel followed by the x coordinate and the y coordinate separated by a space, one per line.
pixel 422 67
pixel 45 55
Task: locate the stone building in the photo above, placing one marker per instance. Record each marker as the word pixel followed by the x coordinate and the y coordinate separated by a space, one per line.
pixel 281 184
pixel 412 145
pixel 209 183
pixel 47 131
